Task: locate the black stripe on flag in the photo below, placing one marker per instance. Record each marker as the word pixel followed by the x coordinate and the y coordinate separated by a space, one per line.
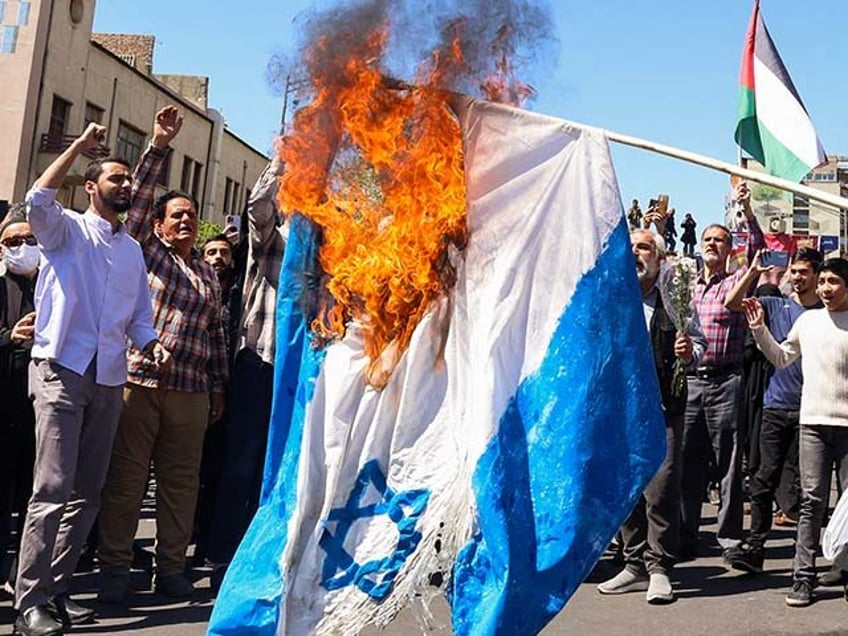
pixel 766 52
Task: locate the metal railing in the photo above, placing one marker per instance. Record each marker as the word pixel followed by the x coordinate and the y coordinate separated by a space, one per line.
pixel 54 145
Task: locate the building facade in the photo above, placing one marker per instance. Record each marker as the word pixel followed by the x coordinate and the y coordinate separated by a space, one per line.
pixel 782 212
pixel 58 76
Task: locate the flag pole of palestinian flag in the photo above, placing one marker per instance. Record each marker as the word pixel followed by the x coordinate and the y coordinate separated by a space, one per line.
pixel 773 125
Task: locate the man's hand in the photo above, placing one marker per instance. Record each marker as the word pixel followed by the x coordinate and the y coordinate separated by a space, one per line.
pixel 683 347
pixel 159 357
pixel 216 407
pixel 24 329
pixel 742 196
pixel 92 138
pixel 753 312
pixel 756 267
pixel 166 126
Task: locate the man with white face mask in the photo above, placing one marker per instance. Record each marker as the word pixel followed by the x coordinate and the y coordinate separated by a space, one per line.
pixel 19 253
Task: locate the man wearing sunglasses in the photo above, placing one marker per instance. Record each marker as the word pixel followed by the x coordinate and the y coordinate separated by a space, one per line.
pixel 19 253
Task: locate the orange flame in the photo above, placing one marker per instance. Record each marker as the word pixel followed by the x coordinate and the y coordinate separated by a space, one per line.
pixel 380 170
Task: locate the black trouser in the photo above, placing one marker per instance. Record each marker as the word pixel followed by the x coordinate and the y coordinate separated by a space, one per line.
pixel 651 534
pixel 17 457
pixel 246 430
pixel 778 437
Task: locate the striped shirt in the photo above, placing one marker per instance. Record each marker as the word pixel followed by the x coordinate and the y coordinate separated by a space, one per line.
pixel 186 299
pixel 725 330
pixel 264 260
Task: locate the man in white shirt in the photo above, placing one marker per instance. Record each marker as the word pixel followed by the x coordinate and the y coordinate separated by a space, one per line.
pixel 819 338
pixel 91 295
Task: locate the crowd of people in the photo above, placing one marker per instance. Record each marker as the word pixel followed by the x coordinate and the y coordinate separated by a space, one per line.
pixel 122 344
pixel 766 405
pixel 127 350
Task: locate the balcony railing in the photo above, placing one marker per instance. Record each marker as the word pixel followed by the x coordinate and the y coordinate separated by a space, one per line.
pixel 55 145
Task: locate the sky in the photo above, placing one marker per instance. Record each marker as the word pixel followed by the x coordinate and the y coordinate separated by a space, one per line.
pixel 662 70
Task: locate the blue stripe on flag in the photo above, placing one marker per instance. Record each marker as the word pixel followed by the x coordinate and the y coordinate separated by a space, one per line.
pixel 574 450
pixel 250 597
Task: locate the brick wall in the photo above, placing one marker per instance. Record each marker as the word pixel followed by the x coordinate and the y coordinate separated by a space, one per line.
pixel 135 50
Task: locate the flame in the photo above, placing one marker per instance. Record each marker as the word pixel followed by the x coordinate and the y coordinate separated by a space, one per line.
pixel 378 166
pixel 381 171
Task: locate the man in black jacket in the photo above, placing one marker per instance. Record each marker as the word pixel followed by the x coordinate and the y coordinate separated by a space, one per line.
pixel 20 255
pixel 652 532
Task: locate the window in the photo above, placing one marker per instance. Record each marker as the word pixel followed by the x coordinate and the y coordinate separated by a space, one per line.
pixel 129 143
pixel 8 39
pixel 165 172
pixel 77 11
pixel 195 184
pixel 235 208
pixel 23 12
pixel 185 179
pixel 191 177
pixel 800 214
pixel 93 114
pixel 60 112
pixel 228 192
pixel 3 4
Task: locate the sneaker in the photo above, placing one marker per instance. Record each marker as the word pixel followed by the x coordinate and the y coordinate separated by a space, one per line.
pixel 659 589
pixel 801 594
pixel 114 587
pixel 833 577
pixel 623 582
pixel 745 557
pixel 175 586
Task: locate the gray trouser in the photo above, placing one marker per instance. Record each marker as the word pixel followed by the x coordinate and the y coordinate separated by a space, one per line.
pixel 711 430
pixel 75 423
pixel 651 533
pixel 819 448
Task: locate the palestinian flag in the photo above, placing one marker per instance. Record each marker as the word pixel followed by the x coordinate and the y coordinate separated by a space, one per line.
pixel 773 127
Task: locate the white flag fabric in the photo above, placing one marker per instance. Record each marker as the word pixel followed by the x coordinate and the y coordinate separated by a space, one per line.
pixel 513 438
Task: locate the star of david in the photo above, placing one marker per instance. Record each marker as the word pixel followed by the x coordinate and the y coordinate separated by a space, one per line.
pixel 375 577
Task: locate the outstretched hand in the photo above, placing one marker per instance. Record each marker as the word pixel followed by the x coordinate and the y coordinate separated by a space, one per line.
pixel 753 312
pixel 167 125
pixel 756 263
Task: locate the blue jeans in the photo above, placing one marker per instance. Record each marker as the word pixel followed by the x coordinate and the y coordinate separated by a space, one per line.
pixel 820 448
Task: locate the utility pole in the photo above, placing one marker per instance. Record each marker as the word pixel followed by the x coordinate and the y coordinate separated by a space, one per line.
pixel 293 85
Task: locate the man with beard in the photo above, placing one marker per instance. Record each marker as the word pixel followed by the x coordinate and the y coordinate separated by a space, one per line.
pixel 651 533
pixel 90 296
pixel 781 401
pixel 218 252
pixel 164 418
pixel 711 425
pixel 820 338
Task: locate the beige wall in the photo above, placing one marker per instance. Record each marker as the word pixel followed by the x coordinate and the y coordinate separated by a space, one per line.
pixel 239 165
pixel 19 77
pixel 80 71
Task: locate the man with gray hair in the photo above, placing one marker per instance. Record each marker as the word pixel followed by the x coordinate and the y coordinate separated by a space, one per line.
pixel 651 534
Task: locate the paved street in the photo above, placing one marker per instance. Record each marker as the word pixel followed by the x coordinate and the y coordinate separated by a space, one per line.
pixel 710 601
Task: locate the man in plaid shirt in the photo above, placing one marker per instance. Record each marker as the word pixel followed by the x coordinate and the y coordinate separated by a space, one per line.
pixel 165 418
pixel 249 410
pixel 715 390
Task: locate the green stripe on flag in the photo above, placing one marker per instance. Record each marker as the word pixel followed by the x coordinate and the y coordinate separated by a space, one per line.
pixel 759 142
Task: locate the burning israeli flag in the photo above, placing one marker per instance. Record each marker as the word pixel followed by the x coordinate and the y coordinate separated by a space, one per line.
pixel 465 397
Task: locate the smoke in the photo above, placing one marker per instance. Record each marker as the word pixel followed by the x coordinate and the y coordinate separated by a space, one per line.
pixel 501 43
